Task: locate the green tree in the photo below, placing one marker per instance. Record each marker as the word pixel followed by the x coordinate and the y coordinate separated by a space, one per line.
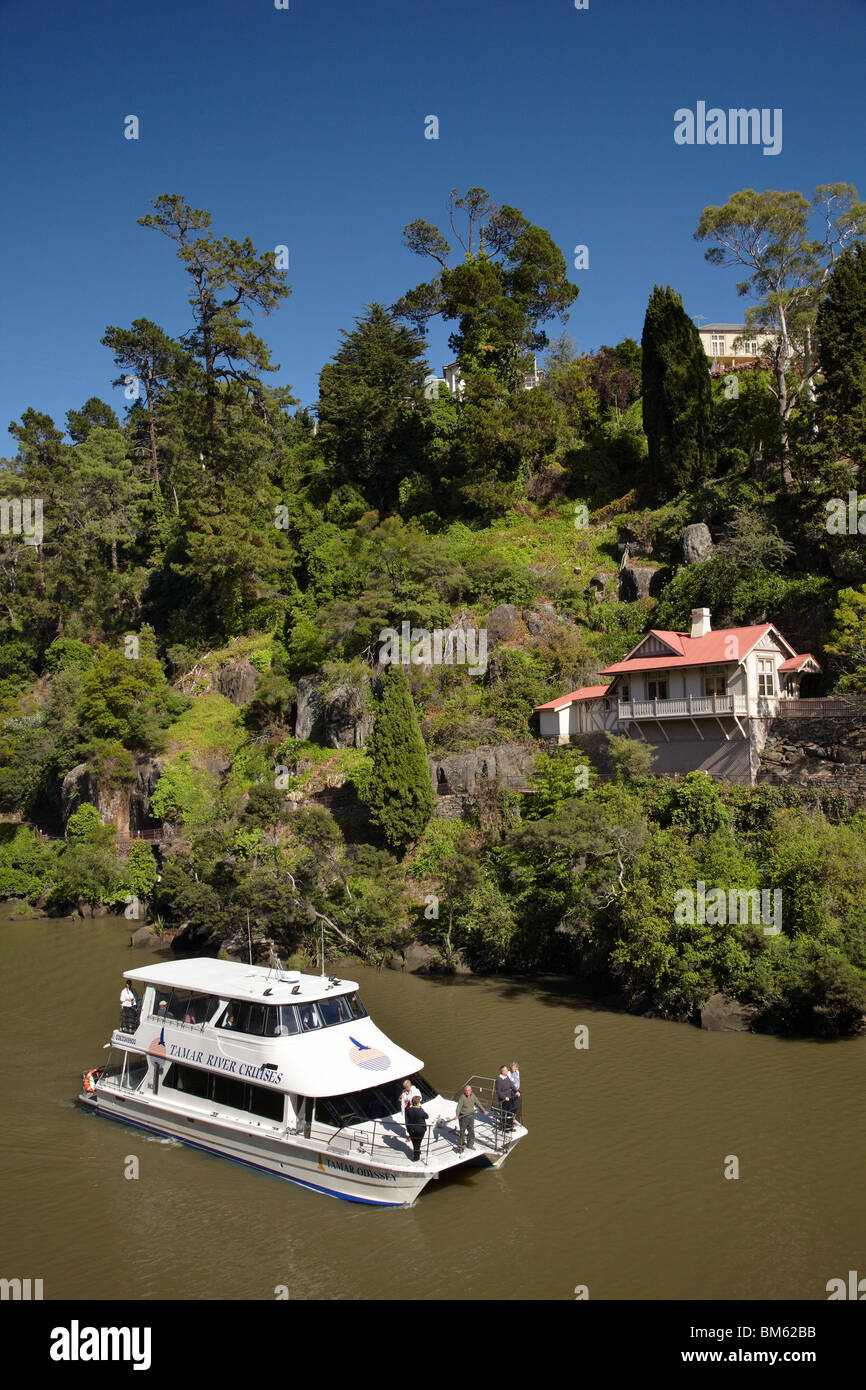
pixel 141 872
pixel 400 793
pixel 92 415
pixel 677 395
pixel 85 823
pixel 229 279
pixel 372 425
pixel 768 235
pixel 128 699
pixel 512 280
pixel 841 351
pixel 846 643
pixel 157 365
pixel 558 776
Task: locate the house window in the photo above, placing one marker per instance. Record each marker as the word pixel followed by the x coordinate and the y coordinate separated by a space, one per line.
pixel 766 681
pixel 657 689
pixel 750 345
pixel 718 344
pixel 623 692
pixel 714 685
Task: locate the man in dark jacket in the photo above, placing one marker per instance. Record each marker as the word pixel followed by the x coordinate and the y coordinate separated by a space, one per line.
pixel 416 1124
pixel 508 1095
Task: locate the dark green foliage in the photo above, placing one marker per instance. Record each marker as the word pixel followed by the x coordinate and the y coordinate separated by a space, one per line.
pixel 372 426
pixel 841 351
pixel 677 395
pixel 128 699
pixel 400 792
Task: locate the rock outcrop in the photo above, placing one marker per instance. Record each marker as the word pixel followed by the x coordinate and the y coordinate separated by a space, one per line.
pixel 503 624
pixel 697 543
pixel 639 581
pixel 339 719
pixel 126 806
pixel 237 680
pixel 598 584
pixel 461 776
pixel 721 1014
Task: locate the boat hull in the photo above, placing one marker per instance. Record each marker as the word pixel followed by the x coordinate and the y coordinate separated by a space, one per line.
pixel 349 1179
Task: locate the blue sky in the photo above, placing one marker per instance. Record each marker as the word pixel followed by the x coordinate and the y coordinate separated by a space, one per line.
pixel 305 127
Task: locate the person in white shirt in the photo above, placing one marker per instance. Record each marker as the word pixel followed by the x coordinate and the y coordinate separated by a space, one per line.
pixel 405 1098
pixel 128 1007
pixel 514 1073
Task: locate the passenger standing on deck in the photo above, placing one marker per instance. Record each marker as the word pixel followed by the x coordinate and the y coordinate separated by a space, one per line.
pixel 405 1097
pixel 508 1096
pixel 514 1077
pixel 128 1007
pixel 416 1123
pixel 466 1118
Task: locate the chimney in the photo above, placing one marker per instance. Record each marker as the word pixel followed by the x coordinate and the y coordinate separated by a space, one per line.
pixel 700 622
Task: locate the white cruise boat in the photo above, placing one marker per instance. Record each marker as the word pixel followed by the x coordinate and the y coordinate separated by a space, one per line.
pixel 286 1073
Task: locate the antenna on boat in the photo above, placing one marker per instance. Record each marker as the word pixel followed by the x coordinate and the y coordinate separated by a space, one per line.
pixel 323 950
pixel 249 937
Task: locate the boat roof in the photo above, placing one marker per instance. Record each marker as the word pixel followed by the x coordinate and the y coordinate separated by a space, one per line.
pixel 335 1061
pixel 231 979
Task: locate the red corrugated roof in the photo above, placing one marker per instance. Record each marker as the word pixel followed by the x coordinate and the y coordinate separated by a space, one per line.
pixel 712 648
pixel 586 692
pixel 795 663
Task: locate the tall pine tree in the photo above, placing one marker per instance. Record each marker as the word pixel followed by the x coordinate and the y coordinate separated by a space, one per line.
pixel 401 792
pixel 677 395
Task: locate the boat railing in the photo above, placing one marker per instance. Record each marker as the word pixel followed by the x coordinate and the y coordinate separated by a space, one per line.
pixel 497 1119
pixel 130 1018
pixel 388 1139
pixel 178 1022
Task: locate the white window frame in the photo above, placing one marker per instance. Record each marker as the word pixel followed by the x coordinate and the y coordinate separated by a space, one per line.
pixel 766 675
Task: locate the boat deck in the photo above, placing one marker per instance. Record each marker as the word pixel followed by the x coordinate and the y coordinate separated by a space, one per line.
pixel 388 1143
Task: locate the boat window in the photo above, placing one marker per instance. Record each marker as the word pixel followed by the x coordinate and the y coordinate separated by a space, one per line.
pixel 334 1011
pixel 373 1103
pixel 310 1018
pixel 259 1020
pixel 114 1066
pixel 136 1070
pixel 353 1003
pixel 289 1022
pixel 225 1091
pixel 261 1101
pixel 183 1007
pixel 189 1080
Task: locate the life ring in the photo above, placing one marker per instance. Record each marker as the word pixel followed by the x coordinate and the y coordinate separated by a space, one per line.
pixel 90 1079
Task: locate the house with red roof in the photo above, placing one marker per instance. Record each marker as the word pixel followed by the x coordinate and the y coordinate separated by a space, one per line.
pixel 702 698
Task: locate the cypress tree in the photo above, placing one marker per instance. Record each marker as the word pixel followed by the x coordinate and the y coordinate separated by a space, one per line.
pixel 401 792
pixel 677 395
pixel 841 353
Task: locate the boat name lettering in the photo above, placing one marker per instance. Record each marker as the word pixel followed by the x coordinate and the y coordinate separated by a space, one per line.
pixel 229 1064
pixel 361 1172
pixel 124 1037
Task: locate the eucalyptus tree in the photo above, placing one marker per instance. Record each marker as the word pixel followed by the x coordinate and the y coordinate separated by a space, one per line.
pixel 768 234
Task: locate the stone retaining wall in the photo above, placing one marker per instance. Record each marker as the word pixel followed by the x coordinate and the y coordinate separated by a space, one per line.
pixel 801 752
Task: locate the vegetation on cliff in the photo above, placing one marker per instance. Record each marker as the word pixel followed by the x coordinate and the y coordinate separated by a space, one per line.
pixel 202 617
